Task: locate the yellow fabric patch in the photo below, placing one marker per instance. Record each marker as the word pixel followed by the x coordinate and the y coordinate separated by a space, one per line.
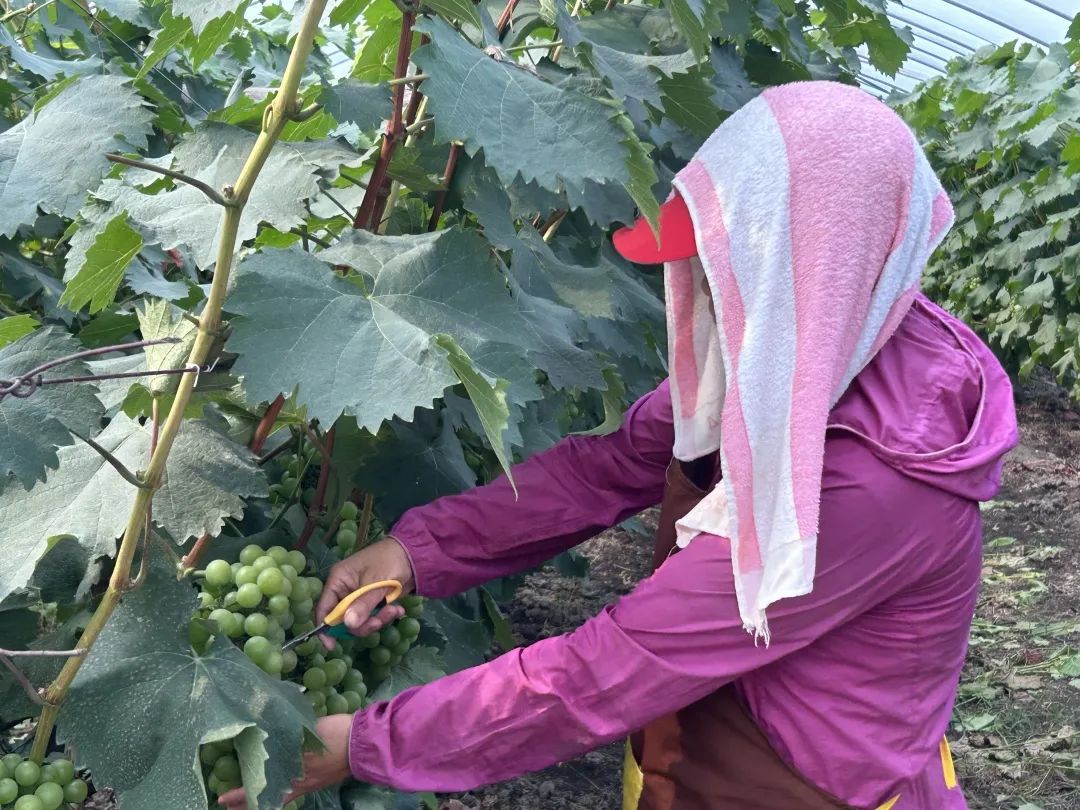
pixel 890 803
pixel 633 780
pixel 947 764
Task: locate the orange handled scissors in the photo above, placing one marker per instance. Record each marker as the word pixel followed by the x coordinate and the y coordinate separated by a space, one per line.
pixel 337 615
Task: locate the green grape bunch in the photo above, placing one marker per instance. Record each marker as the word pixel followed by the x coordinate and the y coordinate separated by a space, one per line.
pixel 25 785
pixel 221 770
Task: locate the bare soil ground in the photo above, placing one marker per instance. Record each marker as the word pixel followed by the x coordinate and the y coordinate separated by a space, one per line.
pixel 1016 729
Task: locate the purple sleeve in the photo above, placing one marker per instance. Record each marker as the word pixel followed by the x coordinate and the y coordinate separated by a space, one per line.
pixel 567 494
pixel 675 639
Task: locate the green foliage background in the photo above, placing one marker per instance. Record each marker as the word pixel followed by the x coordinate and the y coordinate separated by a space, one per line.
pixel 1003 131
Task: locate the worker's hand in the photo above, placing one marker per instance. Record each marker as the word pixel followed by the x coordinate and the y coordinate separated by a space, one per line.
pixel 321 768
pixel 385 559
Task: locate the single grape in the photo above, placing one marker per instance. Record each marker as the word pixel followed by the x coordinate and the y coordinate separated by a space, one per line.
pixel 27 773
pixel 258 649
pixel 288 483
pixel 236 625
pixel 278 605
pixel 246 574
pixel 288 661
pixel 353 680
pixel 335 671
pixel 409 628
pixel 348 526
pixel 394 658
pixel 302 626
pixel 308 647
pixel 279 553
pixel 208 755
pixel 334 653
pixel 414 611
pixel 249 595
pixel 314 587
pixel 75 791
pixel 278 493
pixel 50 794
pixel 264 562
pixel 316 698
pixel 206 600
pixel 218 574
pixel 336 704
pixel 272 665
pixel 287 621
pixel 315 678
pixel 29 802
pixel 303 608
pixel 295 466
pixel 297 560
pixel 390 636
pixel 256 625
pixel 320 711
pixel 276 634
pixel 217 787
pixel 229 599
pixel 401 647
pixel 371 641
pixel 250 554
pixel 48 773
pixel 308 496
pixel 380 656
pixel 349 511
pixel 353 701
pixel 290 573
pixel 11 762
pixel 65 771
pixel 345 537
pixel 227 769
pixel 9 790
pixel 271 581
pixel 298 590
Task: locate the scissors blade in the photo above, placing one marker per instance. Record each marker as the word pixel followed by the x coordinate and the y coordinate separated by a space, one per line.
pixel 300 639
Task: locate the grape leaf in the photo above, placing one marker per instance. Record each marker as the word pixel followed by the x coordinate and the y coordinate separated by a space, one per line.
pixel 354 102
pixel 689 18
pixel 207 476
pixel 103 267
pixel 419 666
pixel 51 158
pixel 303 325
pixel 488 398
pixel 184 217
pixel 501 108
pixel 107 329
pixel 144 701
pixel 201 12
pixel 631 75
pixel 456 10
pixel 15 326
pixel 15 704
pixel 33 427
pixel 46 67
pixel 465 641
pixel 158 320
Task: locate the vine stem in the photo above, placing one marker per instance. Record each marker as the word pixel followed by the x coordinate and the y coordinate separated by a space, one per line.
pixel 395 129
pixel 320 492
pixel 277 115
pixel 266 424
pixel 20 678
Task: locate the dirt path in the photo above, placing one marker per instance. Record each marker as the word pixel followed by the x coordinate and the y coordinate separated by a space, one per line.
pixel 1015 734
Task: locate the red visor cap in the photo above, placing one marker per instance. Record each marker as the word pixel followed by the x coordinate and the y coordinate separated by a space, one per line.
pixel 638 244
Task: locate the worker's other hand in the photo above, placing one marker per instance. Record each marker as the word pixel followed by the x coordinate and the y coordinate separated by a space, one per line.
pixel 321 768
pixel 385 559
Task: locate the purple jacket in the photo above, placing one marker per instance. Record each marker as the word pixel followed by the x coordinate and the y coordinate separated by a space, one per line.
pixel 857 687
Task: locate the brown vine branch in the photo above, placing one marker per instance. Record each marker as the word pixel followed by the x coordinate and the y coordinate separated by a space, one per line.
pixel 212 193
pixel 266 424
pixel 21 679
pixel 320 493
pixel 365 519
pixel 270 456
pixel 114 462
pixel 76 653
pixel 505 18
pixel 416 78
pixel 277 115
pixel 308 112
pixel 448 175
pixel 395 128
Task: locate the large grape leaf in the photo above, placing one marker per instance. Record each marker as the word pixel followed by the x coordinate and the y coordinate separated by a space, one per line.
pixel 354 102
pixel 419 666
pixel 525 125
pixel 48 68
pixel 207 476
pixel 201 12
pixel 103 266
pixel 631 75
pixel 33 427
pixel 144 701
pixel 303 325
pixel 184 217
pixel 51 158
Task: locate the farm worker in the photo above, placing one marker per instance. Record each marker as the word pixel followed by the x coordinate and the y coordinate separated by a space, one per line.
pixel 819 452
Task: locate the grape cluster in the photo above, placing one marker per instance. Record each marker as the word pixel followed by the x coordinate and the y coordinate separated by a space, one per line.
pixel 291 483
pixel 25 785
pixel 259 602
pixel 221 769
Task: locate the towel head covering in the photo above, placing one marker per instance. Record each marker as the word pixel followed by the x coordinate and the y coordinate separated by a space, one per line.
pixel 813 211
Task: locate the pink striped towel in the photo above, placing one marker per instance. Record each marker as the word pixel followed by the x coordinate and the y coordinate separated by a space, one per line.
pixel 814 212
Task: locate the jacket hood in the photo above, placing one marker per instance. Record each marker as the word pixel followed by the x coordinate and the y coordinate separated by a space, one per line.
pixel 934 404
